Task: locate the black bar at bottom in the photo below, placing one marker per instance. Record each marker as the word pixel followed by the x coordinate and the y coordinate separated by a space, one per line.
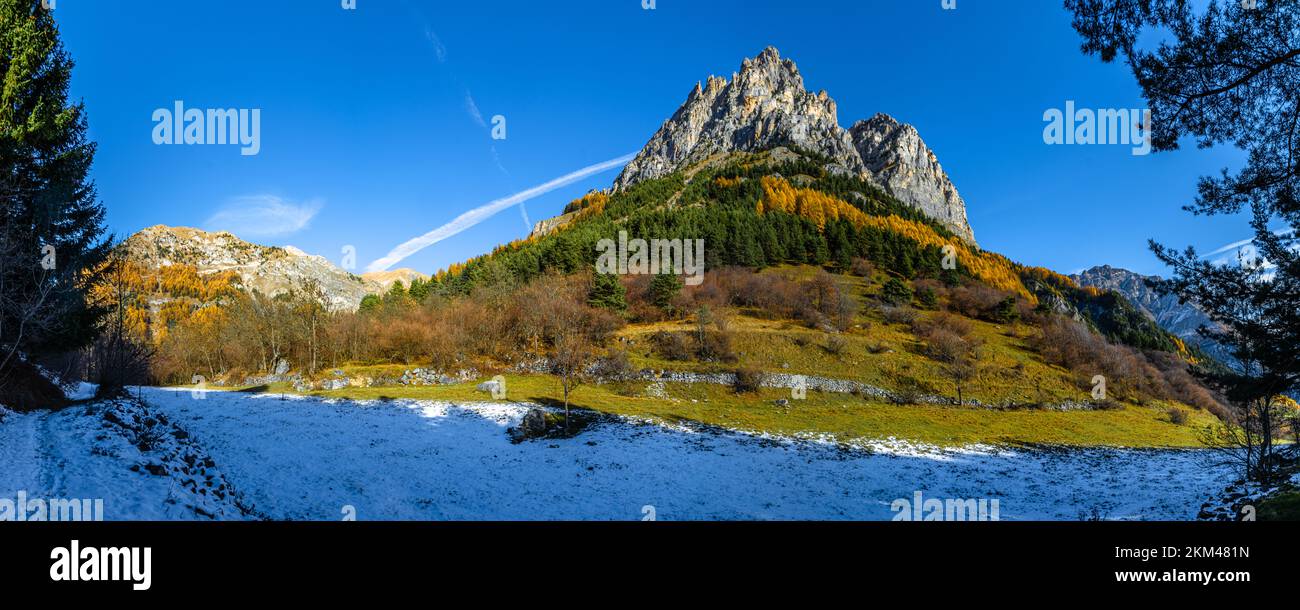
pixel 192 557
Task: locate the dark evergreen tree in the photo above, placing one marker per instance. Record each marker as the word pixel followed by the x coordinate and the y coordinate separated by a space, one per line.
pixel 607 291
pixel 663 289
pixel 927 298
pixel 419 290
pixel 1227 72
pixel 896 292
pixel 370 302
pixel 51 222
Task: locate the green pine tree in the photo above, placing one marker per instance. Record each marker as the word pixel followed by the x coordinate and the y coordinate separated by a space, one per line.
pixel 896 292
pixel 608 292
pixel 1226 75
pixel 51 222
pixel 663 289
pixel 396 294
pixel 419 290
pixel 370 302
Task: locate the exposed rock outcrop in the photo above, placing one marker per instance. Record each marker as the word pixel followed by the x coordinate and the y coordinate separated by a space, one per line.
pixel 266 269
pixel 897 158
pixel 765 106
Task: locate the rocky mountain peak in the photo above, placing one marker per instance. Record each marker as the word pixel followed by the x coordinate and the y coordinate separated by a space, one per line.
pixel 267 269
pixel 768 71
pixel 765 105
pixel 898 158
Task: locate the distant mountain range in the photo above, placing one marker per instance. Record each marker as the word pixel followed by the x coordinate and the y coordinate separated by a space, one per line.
pixel 267 269
pixel 1181 319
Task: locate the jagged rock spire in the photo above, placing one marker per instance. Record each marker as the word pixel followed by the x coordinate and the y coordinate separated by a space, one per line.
pixel 897 158
pixel 762 106
pixel 765 105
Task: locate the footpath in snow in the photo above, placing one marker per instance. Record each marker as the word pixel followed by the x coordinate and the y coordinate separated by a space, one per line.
pixel 133 460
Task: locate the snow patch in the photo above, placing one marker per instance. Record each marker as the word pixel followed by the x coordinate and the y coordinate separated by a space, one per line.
pixel 308 458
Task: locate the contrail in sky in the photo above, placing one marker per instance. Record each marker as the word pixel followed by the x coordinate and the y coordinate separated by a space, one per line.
pixel 486 211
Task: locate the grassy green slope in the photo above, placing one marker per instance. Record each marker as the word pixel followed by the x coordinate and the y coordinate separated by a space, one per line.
pixel 840 417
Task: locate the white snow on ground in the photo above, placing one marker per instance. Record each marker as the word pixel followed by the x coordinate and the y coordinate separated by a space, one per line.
pixel 80 390
pixel 307 458
pixel 76 453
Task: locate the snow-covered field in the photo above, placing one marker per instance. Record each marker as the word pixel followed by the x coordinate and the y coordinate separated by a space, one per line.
pixel 263 456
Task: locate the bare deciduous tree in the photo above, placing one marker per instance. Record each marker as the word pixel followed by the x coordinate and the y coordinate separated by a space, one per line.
pixel 118 358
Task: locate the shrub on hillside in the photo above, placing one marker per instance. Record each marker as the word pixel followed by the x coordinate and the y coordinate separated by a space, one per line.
pixel 748 380
pixel 670 346
pixel 898 315
pixel 835 344
pixel 948 347
pixel 771 293
pixel 1129 374
pixel 713 337
pixel 927 298
pixel 923 327
pixel 929 293
pixel 877 348
pixel 862 267
pixel 1177 416
pixel 1006 311
pixel 614 365
pixel 1107 404
pixel 981 302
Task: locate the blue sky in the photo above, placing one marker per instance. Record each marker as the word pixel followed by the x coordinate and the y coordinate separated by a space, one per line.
pixel 369 137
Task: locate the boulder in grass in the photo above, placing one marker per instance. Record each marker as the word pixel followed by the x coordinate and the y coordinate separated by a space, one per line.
pixel 335 384
pixel 534 425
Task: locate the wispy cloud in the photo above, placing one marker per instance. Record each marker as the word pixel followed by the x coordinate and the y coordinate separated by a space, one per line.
pixel 486 211
pixel 439 50
pixel 263 216
pixel 472 108
pixel 1232 247
pixel 1245 250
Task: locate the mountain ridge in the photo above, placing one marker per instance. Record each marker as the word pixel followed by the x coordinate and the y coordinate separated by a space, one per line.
pixel 765 105
pixel 1181 319
pixel 271 270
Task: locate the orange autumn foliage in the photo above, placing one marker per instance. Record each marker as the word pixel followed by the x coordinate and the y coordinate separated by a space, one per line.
pixel 820 208
pixel 156 300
